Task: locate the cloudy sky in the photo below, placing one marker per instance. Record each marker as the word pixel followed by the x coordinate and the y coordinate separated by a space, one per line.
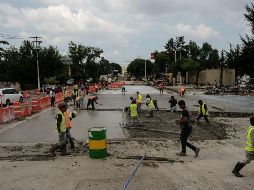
pixel 124 29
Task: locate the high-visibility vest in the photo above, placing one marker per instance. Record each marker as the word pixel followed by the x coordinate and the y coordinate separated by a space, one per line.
pixel 201 109
pixel 139 98
pixel 75 93
pixel 150 105
pixel 63 123
pixel 249 146
pixel 67 116
pixel 134 110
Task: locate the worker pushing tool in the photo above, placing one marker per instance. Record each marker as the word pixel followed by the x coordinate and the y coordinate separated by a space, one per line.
pixel 202 111
pixel 134 114
pixel 61 129
pixel 249 150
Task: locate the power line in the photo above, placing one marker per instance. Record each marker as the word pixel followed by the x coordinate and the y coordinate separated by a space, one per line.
pixel 36 41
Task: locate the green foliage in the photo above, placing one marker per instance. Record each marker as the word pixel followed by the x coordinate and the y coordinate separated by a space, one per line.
pixel 84 61
pixel 137 68
pixel 250 15
pixel 19 65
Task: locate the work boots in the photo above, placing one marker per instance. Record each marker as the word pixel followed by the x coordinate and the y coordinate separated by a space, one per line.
pixel 64 151
pixel 237 169
pixel 54 147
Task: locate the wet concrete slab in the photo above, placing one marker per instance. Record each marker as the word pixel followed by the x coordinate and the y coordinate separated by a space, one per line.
pixel 42 127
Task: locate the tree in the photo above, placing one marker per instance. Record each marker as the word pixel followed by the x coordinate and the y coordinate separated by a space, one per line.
pixel 83 58
pixel 249 16
pixel 137 68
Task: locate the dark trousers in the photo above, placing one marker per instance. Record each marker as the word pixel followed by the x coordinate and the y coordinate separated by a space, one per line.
pixel 69 138
pixel 90 102
pixel 185 133
pixel 205 117
pixel 52 101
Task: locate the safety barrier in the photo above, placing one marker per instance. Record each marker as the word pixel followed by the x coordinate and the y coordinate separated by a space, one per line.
pixel 59 97
pixel 36 105
pixel 26 94
pixel 37 92
pixel 27 111
pixel 17 110
pixel 6 114
pixel 115 85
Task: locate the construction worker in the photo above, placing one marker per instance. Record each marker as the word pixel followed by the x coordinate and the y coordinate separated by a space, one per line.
pixel 91 100
pixel 74 96
pixel 52 97
pixel 202 111
pixel 173 103
pixel 249 150
pixel 181 91
pixel 134 113
pixel 139 101
pixel 186 129
pixel 150 105
pixel 123 90
pixel 68 117
pixel 61 129
pixel 161 87
pixel 65 92
pixel 155 102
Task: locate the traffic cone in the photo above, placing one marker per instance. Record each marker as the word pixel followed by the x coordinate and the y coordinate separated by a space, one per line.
pixel 17 110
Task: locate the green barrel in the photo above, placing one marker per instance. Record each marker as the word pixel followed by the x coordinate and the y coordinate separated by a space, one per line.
pixel 97 142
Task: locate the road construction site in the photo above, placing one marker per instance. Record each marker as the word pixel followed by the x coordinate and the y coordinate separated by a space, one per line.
pixel 27 164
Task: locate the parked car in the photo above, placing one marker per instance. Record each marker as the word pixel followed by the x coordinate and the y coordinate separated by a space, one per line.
pixel 10 95
pixel 49 88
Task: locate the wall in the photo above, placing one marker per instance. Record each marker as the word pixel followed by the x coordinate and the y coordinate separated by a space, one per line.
pixel 209 76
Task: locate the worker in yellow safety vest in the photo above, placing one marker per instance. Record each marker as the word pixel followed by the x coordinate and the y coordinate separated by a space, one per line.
pixel 202 111
pixel 249 150
pixel 61 129
pixel 134 114
pixel 139 101
pixel 150 105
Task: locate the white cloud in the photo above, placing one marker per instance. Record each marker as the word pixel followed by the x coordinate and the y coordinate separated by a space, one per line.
pixel 200 31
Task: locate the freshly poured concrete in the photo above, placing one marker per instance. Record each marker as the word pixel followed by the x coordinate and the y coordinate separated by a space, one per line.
pixel 42 127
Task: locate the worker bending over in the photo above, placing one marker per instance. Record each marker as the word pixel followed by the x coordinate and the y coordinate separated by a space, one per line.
pixel 150 105
pixel 91 100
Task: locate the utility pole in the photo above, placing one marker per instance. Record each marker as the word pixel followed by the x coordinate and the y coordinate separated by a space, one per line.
pixel 145 70
pixel 36 43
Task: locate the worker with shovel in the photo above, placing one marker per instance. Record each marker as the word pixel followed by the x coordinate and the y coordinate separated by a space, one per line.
pixel 61 129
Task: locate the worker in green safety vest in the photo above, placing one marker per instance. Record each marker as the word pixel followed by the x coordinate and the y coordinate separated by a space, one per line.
pixel 202 111
pixel 150 105
pixel 249 150
pixel 134 114
pixel 61 129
